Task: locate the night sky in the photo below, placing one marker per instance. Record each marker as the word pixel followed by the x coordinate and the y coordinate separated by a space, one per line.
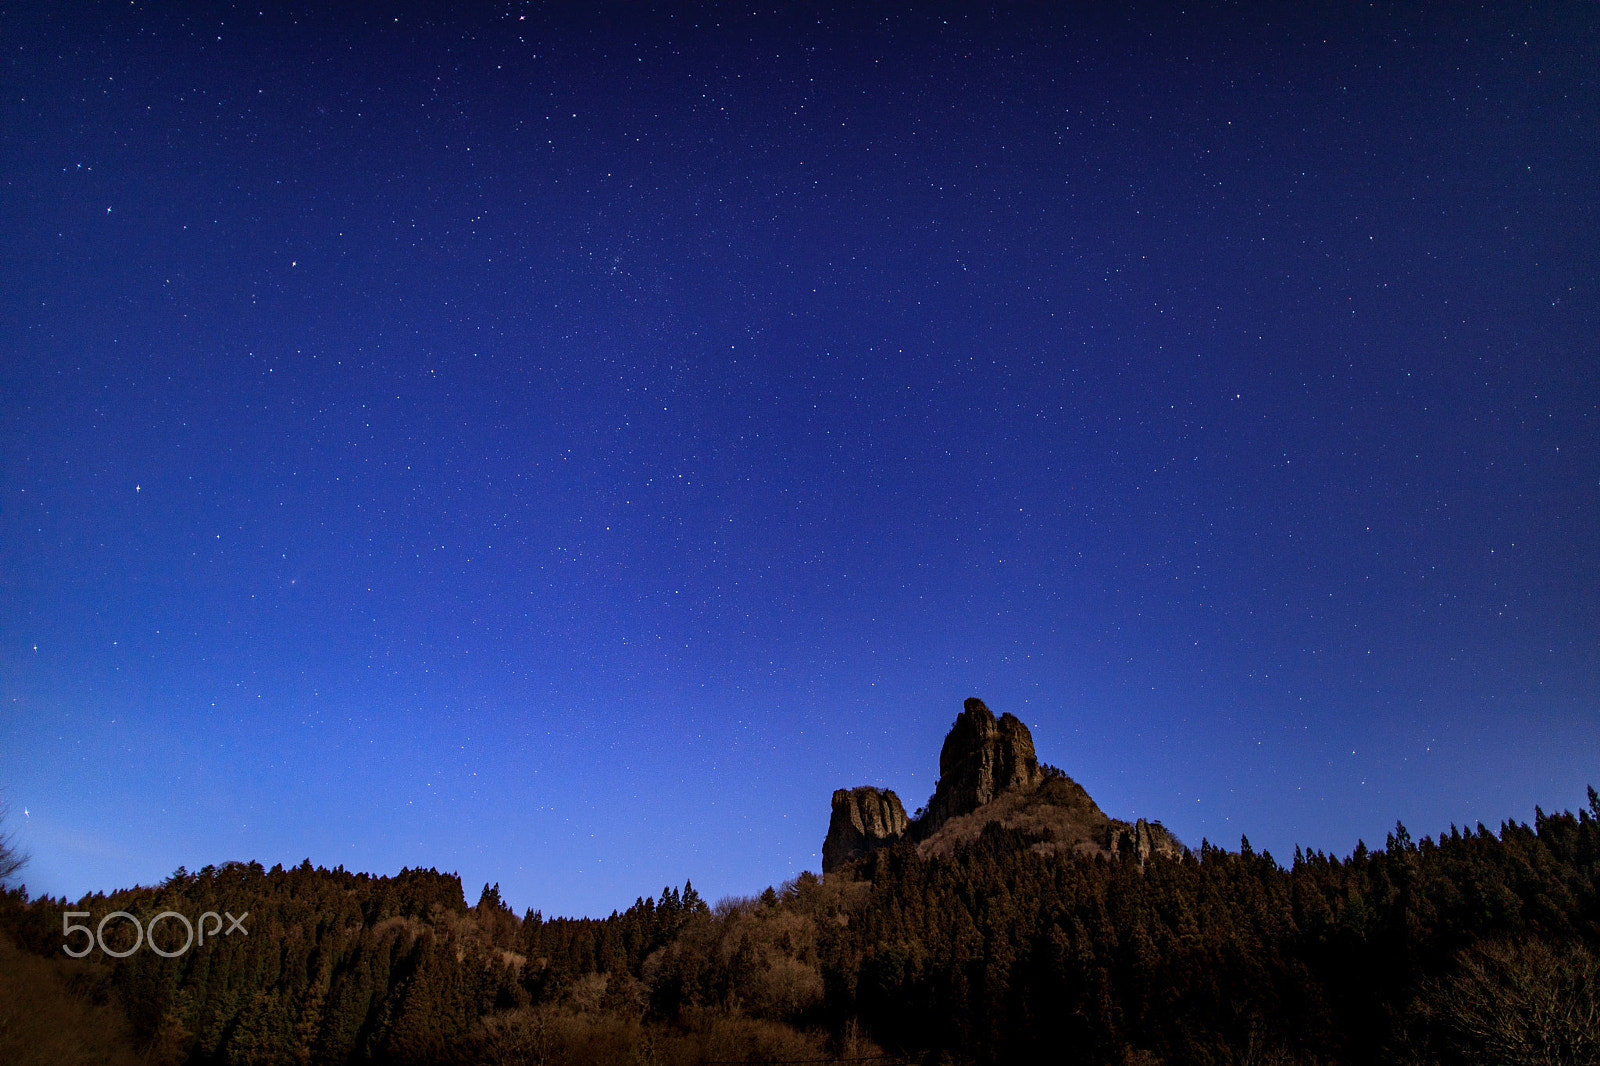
pixel 563 445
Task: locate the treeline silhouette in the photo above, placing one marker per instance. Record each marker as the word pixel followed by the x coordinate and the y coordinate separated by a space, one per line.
pixel 1475 947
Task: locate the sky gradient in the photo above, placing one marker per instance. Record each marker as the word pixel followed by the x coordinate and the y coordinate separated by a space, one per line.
pixel 564 445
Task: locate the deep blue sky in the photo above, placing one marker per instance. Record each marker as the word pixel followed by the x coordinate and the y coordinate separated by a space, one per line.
pixel 563 446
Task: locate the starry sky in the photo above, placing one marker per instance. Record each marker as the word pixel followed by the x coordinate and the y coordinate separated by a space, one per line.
pixel 562 444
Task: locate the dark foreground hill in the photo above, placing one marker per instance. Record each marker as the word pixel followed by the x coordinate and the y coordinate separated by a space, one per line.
pixel 1472 947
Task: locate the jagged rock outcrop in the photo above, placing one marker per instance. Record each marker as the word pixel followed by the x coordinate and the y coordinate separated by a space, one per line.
pixel 863 819
pixel 988 774
pixel 1143 839
pixel 982 758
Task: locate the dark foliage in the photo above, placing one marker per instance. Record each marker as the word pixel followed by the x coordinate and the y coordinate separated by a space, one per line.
pixel 1475 947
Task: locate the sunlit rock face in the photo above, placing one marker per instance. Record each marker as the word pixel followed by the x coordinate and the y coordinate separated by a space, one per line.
pixel 863 819
pixel 983 757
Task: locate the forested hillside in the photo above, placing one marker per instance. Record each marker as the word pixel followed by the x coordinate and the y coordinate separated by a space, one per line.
pixel 1477 946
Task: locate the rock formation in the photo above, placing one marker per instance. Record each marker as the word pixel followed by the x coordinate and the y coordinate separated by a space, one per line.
pixel 981 759
pixel 863 819
pixel 1143 839
pixel 988 772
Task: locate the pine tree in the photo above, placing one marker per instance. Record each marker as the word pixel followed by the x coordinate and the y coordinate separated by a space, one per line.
pixel 691 902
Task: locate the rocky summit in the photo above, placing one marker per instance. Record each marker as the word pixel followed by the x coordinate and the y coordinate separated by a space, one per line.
pixel 982 758
pixel 863 819
pixel 988 773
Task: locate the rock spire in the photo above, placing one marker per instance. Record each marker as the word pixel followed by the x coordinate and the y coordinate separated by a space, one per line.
pixel 982 757
pixel 863 819
pixel 989 773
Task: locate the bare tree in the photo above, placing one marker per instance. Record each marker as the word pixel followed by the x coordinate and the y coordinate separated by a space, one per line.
pixel 1522 1004
pixel 12 860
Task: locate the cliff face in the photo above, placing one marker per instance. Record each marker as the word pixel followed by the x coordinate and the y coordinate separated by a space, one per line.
pixel 863 819
pixel 982 758
pixel 988 772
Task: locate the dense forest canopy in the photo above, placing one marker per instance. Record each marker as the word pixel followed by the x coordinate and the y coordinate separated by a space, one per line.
pixel 1476 946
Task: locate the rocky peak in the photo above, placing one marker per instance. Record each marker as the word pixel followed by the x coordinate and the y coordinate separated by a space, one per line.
pixel 982 758
pixel 988 773
pixel 863 819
